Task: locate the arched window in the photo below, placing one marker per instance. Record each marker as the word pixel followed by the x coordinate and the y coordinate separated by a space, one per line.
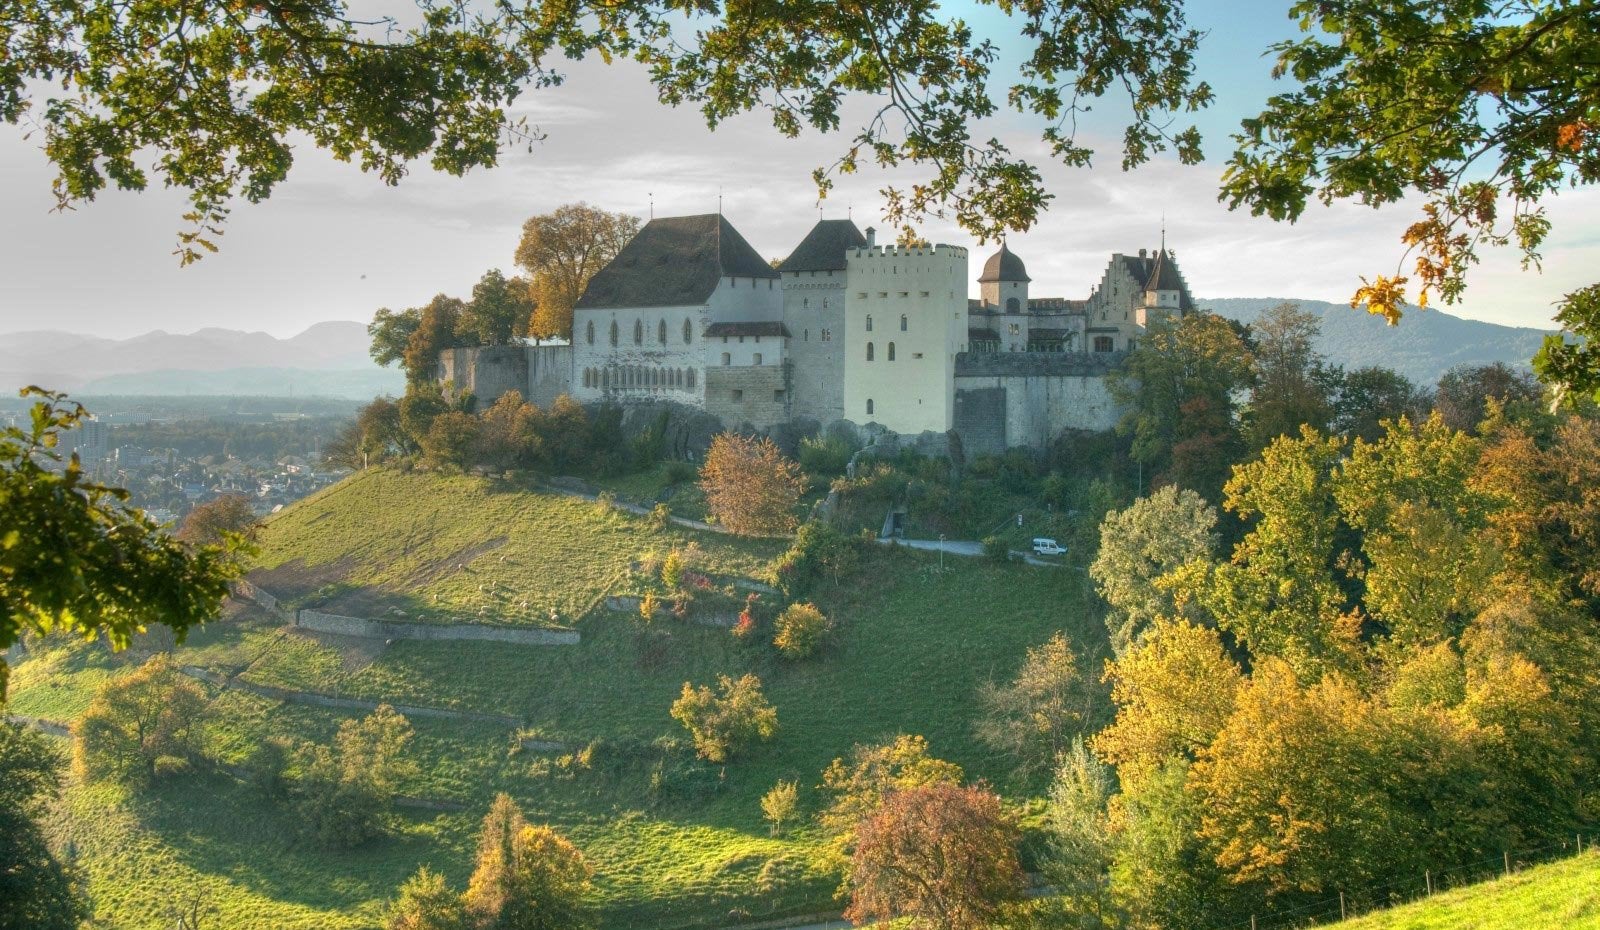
pixel 687 333
pixel 869 351
pixel 727 359
pixel 902 322
pixel 805 302
pixel 758 359
pixel 1013 305
pixel 613 332
pixel 891 351
pixel 605 377
pixel 869 406
pixel 691 379
pixel 638 332
pixel 825 300
pixel 589 330
pixel 869 322
pixel 661 332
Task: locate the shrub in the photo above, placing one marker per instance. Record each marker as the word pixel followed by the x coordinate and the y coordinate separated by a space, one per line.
pixel 750 487
pixel 605 503
pixel 672 571
pixel 345 791
pixel 825 456
pixel 724 724
pixel 648 605
pixel 996 549
pixel 680 472
pixel 660 516
pixel 779 804
pixel 801 630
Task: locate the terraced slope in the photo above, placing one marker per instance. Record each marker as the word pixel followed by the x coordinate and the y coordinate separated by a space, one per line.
pixel 676 843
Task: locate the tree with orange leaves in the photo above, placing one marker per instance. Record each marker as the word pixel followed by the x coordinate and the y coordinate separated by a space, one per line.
pixel 751 487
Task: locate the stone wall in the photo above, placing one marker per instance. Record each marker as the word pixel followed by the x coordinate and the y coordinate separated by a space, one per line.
pixel 540 373
pixel 387 629
pixel 757 395
pixel 981 420
pixel 1043 394
pixel 549 374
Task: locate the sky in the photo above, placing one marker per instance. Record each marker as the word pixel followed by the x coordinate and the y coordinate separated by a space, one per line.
pixel 333 243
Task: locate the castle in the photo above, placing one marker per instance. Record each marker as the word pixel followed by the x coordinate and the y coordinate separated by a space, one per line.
pixel 842 330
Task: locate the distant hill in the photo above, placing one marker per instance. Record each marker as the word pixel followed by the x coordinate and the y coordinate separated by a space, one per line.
pixel 1425 345
pixel 328 359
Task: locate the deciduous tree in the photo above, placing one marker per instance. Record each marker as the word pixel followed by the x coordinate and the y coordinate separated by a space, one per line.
pixel 1035 717
pixel 561 251
pixel 750 486
pixel 872 773
pixel 1142 545
pixel 73 557
pixel 140 724
pixel 725 722
pixel 802 628
pixel 778 804
pixel 346 790
pixel 437 325
pixel 1465 391
pixel 210 524
pixel 942 855
pixel 1293 382
pixel 391 332
pixel 498 312
pixel 37 890
pixel 1082 846
pixel 526 877
pixel 426 902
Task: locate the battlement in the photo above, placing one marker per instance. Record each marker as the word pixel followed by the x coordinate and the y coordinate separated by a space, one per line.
pixel 937 250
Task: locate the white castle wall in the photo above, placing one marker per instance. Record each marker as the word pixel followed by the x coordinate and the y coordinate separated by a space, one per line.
pixel 813 311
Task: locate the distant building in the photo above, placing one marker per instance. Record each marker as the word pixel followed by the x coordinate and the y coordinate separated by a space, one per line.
pixel 842 330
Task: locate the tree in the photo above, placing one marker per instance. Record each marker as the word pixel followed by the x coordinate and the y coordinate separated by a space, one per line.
pixel 1471 107
pixel 802 628
pixel 941 855
pixel 437 325
pixel 751 488
pixel 1198 358
pixel 873 773
pixel 37 890
pixel 426 902
pixel 1293 383
pixel 526 878
pixel 1081 845
pixel 561 251
pixel 1035 717
pixel 345 791
pixel 723 725
pixel 450 440
pixel 437 84
pixel 391 332
pixel 778 804
pixel 85 563
pixel 1368 396
pixel 498 312
pixel 140 725
pixel 209 524
pixel 1465 391
pixel 1144 544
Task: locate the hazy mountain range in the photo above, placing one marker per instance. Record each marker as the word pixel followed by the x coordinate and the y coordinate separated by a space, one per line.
pixel 330 359
pixel 1425 345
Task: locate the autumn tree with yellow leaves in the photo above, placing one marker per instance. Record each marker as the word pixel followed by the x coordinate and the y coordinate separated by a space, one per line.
pixel 751 487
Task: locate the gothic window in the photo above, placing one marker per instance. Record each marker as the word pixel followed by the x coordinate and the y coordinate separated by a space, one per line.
pixel 1014 329
pixel 891 351
pixel 825 300
pixel 586 377
pixel 613 332
pixel 827 336
pixel 869 406
pixel 808 335
pixel 805 302
pixel 758 359
pixel 869 351
pixel 661 332
pixel 687 334
pixel 638 332
pixel 1104 344
pixel 902 322
pixel 589 331
pixel 691 379
pixel 727 359
pixel 1013 305
pixel 869 322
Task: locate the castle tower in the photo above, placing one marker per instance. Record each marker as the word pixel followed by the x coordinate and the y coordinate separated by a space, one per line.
pixel 905 320
pixel 813 313
pixel 1004 283
pixel 1165 293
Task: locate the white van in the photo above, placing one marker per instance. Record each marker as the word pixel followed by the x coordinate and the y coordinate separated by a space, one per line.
pixel 1045 546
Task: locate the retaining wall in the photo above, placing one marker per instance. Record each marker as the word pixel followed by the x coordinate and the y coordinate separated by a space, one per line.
pixel 367 628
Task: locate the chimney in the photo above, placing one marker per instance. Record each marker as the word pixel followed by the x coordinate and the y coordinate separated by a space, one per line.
pixel 1141 253
pixel 872 237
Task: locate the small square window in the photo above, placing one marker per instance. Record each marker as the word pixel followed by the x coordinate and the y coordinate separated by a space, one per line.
pixel 738 394
pixel 777 395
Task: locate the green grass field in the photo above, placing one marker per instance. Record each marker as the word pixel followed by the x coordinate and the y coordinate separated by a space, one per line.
pixel 675 843
pixel 1563 895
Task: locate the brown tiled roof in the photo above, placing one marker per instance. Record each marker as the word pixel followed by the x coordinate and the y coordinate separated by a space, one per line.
pixel 824 247
pixel 763 328
pixel 675 261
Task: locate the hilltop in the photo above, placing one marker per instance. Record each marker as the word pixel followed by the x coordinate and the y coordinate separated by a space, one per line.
pixel 588 746
pixel 1425 345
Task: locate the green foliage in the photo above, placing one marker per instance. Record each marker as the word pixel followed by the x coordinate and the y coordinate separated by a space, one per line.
pixel 37 891
pixel 1465 392
pixel 73 557
pixel 140 725
pixel 826 456
pixel 1139 547
pixel 1081 842
pixel 801 631
pixel 1568 890
pixel 1368 396
pixel 344 792
pixel 819 551
pixel 390 332
pixel 726 722
pixel 527 878
pixel 426 902
pixel 498 312
pixel 1294 385
pixel 997 549
pixel 778 805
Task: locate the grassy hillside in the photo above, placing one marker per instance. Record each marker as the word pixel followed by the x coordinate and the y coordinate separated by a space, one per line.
pixel 675 842
pixel 1563 895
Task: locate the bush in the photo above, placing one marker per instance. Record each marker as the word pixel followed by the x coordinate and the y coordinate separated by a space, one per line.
pixel 801 631
pixel 826 456
pixel 672 571
pixel 648 605
pixel 996 549
pixel 724 724
pixel 660 516
pixel 779 804
pixel 680 472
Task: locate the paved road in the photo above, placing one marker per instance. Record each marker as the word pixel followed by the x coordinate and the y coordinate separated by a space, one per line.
pixel 966 547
